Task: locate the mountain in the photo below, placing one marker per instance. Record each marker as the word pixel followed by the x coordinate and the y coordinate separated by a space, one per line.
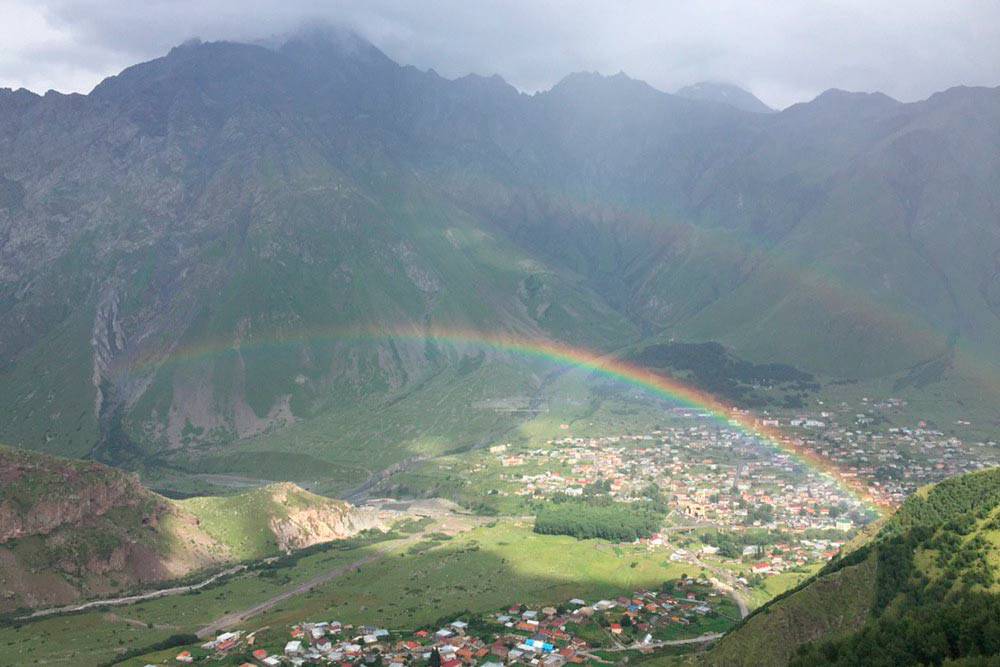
pixel 925 588
pixel 724 93
pixel 236 244
pixel 71 529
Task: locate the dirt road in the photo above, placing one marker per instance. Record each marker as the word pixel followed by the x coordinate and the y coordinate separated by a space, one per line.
pixel 130 599
pixel 700 639
pixel 238 617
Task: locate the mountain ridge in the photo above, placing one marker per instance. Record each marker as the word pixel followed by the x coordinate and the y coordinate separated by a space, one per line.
pixel 725 93
pixel 239 194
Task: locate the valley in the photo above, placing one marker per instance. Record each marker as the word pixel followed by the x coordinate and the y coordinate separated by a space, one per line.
pixel 746 521
pixel 312 356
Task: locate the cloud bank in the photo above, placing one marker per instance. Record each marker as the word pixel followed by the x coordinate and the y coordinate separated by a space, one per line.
pixel 782 51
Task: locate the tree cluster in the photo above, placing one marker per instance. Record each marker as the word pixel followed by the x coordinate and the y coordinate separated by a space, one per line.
pixel 618 522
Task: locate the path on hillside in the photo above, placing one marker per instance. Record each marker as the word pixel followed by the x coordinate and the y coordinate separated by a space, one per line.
pixel 734 593
pixel 637 646
pixel 379 550
pixel 722 580
pixel 236 617
pixel 130 599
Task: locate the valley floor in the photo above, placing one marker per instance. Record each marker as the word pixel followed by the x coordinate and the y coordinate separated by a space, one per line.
pixel 454 565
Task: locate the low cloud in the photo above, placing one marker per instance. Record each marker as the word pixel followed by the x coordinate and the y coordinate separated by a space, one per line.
pixel 782 51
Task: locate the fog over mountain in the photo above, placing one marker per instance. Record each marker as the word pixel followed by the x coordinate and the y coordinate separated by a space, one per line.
pixel 783 52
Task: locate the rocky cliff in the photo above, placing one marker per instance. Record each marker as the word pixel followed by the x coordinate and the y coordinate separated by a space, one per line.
pixel 72 529
pixel 312 519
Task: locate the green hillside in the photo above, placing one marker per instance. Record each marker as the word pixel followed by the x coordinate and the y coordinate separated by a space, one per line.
pixel 73 530
pixel 221 247
pixel 923 590
pixel 273 519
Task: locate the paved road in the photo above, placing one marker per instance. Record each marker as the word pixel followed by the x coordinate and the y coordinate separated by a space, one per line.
pixel 130 599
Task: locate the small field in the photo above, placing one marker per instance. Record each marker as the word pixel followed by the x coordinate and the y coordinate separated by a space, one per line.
pixel 421 578
pixel 485 568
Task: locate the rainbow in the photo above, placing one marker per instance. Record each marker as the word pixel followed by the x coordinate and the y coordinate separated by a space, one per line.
pixel 602 365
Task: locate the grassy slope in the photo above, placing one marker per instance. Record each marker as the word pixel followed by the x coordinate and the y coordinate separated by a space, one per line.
pixel 932 549
pixel 48 395
pixel 831 606
pixel 137 538
pixel 242 522
pixel 479 570
pixel 340 448
pixel 483 569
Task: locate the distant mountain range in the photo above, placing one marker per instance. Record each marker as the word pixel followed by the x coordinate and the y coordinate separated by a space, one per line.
pixel 224 242
pixel 724 93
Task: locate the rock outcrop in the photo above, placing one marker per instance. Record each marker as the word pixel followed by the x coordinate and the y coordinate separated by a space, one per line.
pixel 312 519
pixel 76 529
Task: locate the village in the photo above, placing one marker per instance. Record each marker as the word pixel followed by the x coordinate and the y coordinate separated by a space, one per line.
pixel 576 632
pixel 741 511
pixel 721 475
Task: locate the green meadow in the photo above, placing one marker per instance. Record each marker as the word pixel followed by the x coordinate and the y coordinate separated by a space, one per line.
pixel 417 581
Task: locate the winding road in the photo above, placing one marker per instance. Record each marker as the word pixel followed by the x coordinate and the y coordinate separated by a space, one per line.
pixel 722 580
pixel 130 599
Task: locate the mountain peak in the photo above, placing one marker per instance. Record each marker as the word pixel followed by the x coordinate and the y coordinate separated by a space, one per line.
pixel 724 93
pixel 595 84
pixel 839 96
pixel 322 41
pixel 494 84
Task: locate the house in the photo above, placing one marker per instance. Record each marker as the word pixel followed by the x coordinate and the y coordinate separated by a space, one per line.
pixel 293 648
pixel 226 644
pixel 185 657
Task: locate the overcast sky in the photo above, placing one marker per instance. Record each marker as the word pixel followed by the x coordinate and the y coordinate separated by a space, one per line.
pixel 782 51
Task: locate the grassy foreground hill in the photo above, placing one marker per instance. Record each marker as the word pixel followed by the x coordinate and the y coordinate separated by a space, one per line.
pixel 72 529
pixel 923 590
